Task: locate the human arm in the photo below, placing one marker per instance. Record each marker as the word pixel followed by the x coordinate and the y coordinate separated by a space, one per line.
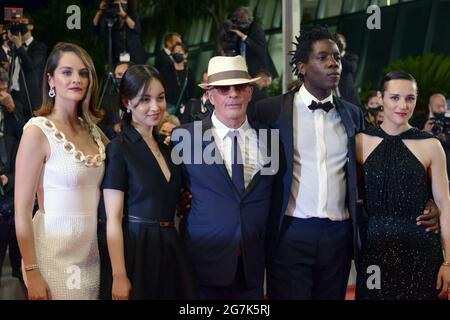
pixel 33 58
pixel 255 39
pixel 32 154
pixel 114 185
pixel 114 201
pixel 122 13
pixel 7 101
pixel 439 183
pixel 99 14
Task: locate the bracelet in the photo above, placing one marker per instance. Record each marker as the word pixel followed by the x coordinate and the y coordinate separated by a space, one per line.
pixel 446 264
pixel 31 267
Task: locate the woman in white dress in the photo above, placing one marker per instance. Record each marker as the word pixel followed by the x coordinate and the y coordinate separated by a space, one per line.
pixel 61 158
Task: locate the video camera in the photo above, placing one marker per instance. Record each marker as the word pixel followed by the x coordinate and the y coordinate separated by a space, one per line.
pixel 441 124
pixel 16 22
pixel 112 9
pixel 230 40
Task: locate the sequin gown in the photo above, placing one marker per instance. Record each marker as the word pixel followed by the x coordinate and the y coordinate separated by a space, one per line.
pixel 65 227
pixel 396 189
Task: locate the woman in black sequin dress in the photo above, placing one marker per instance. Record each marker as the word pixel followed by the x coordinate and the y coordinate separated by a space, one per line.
pixel 402 168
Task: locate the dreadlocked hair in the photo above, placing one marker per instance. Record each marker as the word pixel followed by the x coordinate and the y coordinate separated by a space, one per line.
pixel 304 44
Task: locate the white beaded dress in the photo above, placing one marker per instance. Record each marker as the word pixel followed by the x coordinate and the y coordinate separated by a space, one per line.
pixel 65 231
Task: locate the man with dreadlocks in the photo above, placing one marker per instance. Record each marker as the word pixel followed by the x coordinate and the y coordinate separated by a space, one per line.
pixel 313 234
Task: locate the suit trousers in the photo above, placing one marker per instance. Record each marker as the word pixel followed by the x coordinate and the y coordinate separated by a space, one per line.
pixel 238 290
pixel 312 261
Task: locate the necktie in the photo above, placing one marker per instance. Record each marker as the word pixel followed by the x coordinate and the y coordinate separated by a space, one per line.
pixel 327 106
pixel 237 165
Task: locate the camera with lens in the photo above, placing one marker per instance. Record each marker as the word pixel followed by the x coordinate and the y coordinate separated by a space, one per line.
pixel 441 124
pixel 16 24
pixel 112 9
pixel 230 40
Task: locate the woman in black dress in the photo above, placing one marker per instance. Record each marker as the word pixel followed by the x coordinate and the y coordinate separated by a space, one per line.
pixel 141 188
pixel 402 168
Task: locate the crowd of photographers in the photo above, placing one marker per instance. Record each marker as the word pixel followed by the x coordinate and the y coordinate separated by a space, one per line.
pixel 22 62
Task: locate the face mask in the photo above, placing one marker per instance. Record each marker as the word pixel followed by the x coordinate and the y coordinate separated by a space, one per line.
pixel 178 57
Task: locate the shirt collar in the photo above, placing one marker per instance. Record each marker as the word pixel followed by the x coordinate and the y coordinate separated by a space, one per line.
pixel 307 97
pixel 29 41
pixel 167 51
pixel 222 130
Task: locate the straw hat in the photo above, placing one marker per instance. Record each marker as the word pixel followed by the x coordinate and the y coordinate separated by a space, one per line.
pixel 225 71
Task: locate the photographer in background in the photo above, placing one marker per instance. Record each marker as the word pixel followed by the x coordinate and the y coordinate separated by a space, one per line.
pixel 346 88
pixel 434 119
pixel 8 150
pixel 250 42
pixel 27 68
pixel 9 125
pixel 5 58
pixel 125 32
pixel 437 122
pixel 374 114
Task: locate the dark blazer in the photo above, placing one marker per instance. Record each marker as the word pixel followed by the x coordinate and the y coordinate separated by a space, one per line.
pixel 193 110
pixel 221 219
pixel 347 87
pixel 277 112
pixel 8 151
pixel 33 65
pixel 257 54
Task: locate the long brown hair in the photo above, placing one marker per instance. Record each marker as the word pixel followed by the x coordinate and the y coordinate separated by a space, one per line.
pixel 89 110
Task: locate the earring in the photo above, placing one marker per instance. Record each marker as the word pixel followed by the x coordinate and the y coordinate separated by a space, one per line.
pixel 51 92
pixel 128 110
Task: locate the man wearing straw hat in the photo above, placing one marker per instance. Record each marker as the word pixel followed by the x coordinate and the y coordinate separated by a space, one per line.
pixel 231 184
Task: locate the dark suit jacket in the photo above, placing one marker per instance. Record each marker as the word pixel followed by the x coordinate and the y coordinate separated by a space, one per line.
pixel 221 218
pixel 277 112
pixel 347 87
pixel 33 65
pixel 257 54
pixel 8 151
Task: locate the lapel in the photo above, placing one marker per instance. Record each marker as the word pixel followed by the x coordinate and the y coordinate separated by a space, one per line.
pixel 345 117
pixel 286 128
pixel 257 177
pixel 206 125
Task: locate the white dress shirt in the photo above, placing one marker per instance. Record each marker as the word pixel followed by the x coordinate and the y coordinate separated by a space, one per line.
pixel 320 154
pixel 252 151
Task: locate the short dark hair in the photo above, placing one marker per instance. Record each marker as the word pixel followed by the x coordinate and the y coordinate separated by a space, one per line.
pixel 137 77
pixel 395 75
pixel 304 44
